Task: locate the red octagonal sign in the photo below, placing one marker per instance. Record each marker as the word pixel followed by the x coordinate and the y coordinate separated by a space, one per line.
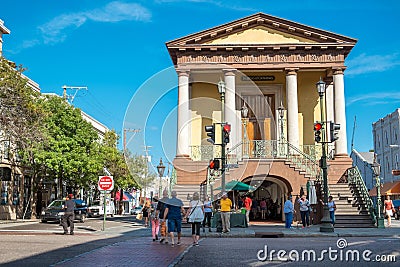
pixel 106 183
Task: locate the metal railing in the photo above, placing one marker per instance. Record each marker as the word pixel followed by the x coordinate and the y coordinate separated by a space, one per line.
pixel 355 179
pixel 263 149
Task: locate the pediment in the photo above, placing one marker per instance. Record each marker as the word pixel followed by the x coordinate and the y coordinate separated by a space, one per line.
pixel 260 29
pixel 259 35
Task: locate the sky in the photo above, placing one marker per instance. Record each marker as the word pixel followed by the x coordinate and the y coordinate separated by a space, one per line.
pixel 117 50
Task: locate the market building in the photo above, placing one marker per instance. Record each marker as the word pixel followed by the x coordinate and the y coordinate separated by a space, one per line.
pixel 270 67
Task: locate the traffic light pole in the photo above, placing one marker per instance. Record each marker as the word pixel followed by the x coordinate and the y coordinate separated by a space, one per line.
pixel 326 225
pixel 222 143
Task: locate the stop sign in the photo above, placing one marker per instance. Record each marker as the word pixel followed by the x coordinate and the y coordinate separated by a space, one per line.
pixel 106 183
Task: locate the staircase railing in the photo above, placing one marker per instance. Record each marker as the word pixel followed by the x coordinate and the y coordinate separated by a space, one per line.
pixel 354 178
pixel 303 161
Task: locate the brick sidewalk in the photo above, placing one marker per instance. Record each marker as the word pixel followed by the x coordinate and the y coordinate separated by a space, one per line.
pixel 139 251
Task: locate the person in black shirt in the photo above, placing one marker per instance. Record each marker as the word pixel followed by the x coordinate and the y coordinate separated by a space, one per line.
pixel 68 218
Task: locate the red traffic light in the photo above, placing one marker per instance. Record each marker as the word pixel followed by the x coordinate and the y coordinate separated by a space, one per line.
pixel 317 126
pixel 227 128
pixel 214 164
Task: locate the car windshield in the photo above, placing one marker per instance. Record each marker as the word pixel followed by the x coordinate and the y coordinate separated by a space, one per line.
pixel 96 203
pixel 56 204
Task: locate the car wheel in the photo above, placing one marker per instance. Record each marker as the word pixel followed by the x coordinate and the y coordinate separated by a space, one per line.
pixel 44 221
pixel 83 218
pixel 396 215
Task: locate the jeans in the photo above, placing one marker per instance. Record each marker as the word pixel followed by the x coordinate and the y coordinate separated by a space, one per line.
pixel 332 215
pixel 288 219
pixel 207 217
pixel 68 220
pixel 305 217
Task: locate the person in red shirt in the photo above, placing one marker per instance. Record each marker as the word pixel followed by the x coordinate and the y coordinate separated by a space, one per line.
pixel 247 204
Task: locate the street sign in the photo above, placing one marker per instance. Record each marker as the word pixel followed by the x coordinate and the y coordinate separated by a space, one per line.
pixel 106 183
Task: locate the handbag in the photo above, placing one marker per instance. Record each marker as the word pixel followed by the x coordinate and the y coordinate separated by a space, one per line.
pixel 196 215
pixel 139 216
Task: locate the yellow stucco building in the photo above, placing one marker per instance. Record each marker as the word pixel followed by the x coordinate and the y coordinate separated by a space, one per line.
pixel 270 67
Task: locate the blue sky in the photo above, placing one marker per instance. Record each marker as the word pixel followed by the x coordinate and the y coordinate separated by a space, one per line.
pixel 114 47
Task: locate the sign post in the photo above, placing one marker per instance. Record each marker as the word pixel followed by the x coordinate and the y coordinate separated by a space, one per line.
pixel 105 185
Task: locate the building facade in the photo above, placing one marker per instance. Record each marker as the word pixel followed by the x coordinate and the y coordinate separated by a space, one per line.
pixel 363 161
pixel 386 136
pixel 270 67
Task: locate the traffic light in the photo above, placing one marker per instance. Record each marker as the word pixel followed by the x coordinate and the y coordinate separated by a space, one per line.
pixel 210 130
pixel 214 164
pixel 334 130
pixel 317 131
pixel 226 131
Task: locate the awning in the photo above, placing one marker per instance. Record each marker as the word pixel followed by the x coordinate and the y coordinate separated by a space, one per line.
pixel 127 196
pixel 391 188
pixel 237 186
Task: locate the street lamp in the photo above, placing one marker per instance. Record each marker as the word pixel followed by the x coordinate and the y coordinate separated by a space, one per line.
pixel 376 167
pixel 160 169
pixel 245 112
pixel 326 225
pixel 281 111
pixel 221 90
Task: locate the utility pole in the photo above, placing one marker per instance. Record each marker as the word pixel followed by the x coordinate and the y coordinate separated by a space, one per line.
pixel 72 97
pixel 134 131
pixel 146 151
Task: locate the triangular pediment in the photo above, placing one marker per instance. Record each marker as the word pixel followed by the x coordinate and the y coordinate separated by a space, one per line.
pixel 259 35
pixel 260 29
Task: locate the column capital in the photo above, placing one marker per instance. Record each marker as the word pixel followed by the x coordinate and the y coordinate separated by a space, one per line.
pixel 183 72
pixel 337 71
pixel 229 72
pixel 291 71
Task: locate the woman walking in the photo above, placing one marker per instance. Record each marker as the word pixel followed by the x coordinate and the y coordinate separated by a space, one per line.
pixel 195 216
pixel 155 222
pixel 332 208
pixel 304 211
pixel 146 212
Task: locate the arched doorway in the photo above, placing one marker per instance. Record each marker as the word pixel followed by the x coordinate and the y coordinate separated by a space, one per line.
pixel 274 190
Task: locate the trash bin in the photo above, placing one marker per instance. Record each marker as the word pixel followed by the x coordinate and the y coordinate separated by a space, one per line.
pixel 243 211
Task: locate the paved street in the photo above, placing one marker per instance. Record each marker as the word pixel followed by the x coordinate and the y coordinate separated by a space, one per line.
pixel 125 242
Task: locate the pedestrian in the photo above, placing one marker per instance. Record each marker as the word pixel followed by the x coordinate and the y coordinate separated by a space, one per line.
pixel 207 214
pixel 304 211
pixel 332 209
pixel 226 205
pixel 247 205
pixel 68 217
pixel 155 222
pixel 254 208
pixel 160 209
pixel 263 206
pixel 173 212
pixel 389 208
pixel 146 212
pixel 195 216
pixel 288 209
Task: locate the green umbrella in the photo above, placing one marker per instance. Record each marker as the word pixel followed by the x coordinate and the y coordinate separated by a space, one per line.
pixel 237 186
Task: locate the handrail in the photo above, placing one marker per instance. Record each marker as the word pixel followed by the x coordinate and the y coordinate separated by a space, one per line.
pixel 303 161
pixel 354 177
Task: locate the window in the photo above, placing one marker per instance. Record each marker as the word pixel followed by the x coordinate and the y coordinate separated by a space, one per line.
pixel 386 138
pixel 396 160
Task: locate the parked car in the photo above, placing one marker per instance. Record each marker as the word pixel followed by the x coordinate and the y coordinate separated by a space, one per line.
pixel 396 204
pixel 55 211
pixel 136 210
pixel 97 208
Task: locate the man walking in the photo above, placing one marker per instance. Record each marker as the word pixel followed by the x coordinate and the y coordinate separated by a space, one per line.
pixel 173 212
pixel 247 204
pixel 69 216
pixel 160 210
pixel 226 205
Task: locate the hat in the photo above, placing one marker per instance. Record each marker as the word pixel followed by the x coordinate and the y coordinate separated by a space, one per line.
pixel 224 194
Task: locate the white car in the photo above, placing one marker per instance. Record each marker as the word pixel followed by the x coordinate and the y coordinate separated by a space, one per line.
pixel 97 208
pixel 136 210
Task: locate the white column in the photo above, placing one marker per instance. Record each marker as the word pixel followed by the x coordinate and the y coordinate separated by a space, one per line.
pixel 340 111
pixel 330 106
pixel 292 107
pixel 182 146
pixel 230 106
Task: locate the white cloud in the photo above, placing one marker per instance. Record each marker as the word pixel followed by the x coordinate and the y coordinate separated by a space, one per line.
pixel 375 98
pixel 55 30
pixel 371 63
pixel 229 5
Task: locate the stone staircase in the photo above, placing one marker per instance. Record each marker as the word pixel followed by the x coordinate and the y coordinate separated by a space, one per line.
pixel 351 212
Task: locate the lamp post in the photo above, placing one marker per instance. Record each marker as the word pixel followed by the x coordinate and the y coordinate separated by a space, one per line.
pixel 245 112
pixel 281 111
pixel 160 169
pixel 376 167
pixel 326 225
pixel 221 90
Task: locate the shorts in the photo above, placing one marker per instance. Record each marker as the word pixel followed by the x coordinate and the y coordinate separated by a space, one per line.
pixel 389 213
pixel 174 225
